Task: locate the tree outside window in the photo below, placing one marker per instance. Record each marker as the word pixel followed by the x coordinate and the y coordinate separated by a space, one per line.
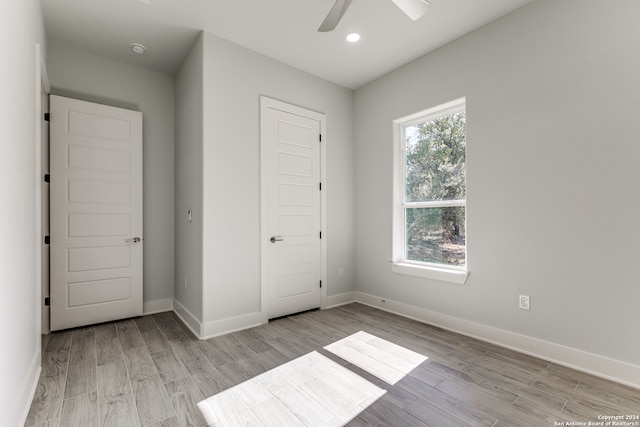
pixel 433 148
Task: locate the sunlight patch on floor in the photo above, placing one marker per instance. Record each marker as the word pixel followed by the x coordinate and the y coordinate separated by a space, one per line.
pixel 313 390
pixel 384 359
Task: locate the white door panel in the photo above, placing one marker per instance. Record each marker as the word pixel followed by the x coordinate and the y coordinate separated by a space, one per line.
pixel 98 159
pixel 96 210
pixel 99 291
pixel 290 149
pixel 98 258
pixel 90 224
pixel 98 191
pixel 99 126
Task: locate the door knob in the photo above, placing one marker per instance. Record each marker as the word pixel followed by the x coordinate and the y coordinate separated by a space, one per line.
pixel 276 239
pixel 133 240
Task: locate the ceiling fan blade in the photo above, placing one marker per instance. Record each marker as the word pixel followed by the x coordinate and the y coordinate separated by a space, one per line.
pixel 414 9
pixel 336 12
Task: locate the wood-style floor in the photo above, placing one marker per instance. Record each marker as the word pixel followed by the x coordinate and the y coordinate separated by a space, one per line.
pixel 150 371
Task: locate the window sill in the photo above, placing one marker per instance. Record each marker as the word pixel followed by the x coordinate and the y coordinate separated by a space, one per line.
pixel 453 276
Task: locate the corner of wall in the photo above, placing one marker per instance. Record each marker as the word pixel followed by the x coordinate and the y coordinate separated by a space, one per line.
pixel 25 395
pixel 188 113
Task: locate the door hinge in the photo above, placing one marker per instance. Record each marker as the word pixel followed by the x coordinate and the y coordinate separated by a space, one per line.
pixel 320 137
pixel 320 185
pixel 47 240
pixel 320 283
pixel 321 234
pixel 47 117
pixel 47 301
pixel 47 178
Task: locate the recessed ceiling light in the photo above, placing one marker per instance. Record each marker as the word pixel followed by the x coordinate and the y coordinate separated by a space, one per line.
pixel 353 37
pixel 138 48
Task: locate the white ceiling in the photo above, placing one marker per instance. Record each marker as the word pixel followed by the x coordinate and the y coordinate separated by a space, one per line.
pixel 282 29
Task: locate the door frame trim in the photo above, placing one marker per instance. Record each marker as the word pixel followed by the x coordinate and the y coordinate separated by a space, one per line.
pixel 43 89
pixel 266 103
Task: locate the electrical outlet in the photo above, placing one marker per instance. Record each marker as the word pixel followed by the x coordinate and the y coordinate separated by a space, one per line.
pixel 341 272
pixel 186 282
pixel 524 302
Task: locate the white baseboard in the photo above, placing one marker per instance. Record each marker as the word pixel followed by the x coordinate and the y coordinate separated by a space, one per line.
pixel 24 397
pixel 157 306
pixel 232 324
pixel 188 318
pixel 218 327
pixel 601 366
pixel 338 300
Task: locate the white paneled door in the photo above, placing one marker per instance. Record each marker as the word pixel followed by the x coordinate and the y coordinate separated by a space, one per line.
pixel 96 213
pixel 292 252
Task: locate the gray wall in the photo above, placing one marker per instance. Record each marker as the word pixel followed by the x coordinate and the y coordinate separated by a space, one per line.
pixel 21 28
pixel 553 196
pixel 85 76
pixel 234 80
pixel 188 181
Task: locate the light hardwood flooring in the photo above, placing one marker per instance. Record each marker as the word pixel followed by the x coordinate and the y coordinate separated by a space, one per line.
pixel 317 368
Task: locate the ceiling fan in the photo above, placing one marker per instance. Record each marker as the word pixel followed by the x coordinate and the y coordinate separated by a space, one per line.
pixel 414 9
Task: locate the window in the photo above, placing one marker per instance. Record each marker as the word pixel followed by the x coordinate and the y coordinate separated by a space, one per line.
pixel 430 193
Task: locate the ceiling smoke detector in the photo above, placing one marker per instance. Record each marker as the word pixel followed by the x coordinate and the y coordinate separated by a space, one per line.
pixel 138 48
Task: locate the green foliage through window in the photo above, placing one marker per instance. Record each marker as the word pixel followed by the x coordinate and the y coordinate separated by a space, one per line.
pixel 436 235
pixel 435 190
pixel 435 159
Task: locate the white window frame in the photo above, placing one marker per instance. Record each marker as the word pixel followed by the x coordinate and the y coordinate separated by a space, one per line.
pixel 399 264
